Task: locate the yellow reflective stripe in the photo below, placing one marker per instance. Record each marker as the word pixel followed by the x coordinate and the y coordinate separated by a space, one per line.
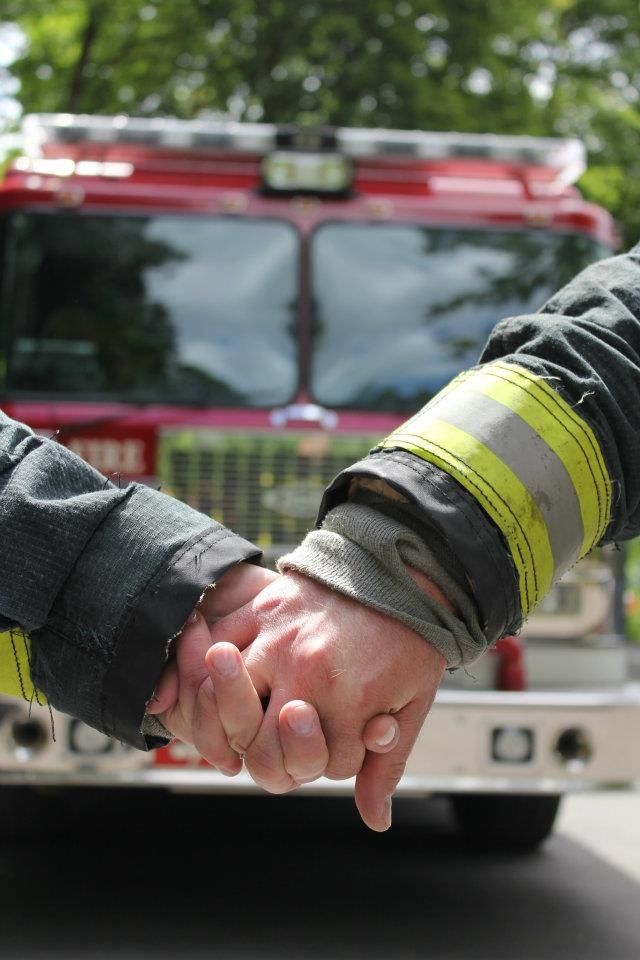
pixel 454 384
pixel 500 493
pixel 567 434
pixel 15 667
pixel 548 514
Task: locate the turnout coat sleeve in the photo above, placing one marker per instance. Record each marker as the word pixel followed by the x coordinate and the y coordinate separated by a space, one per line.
pixel 99 578
pixel 525 462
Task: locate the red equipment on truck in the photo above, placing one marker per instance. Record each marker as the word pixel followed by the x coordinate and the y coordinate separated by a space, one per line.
pixel 237 311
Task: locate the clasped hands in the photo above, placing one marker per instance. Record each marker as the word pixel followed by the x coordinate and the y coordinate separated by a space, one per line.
pixel 300 681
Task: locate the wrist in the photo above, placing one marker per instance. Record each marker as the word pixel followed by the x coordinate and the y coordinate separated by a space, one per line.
pixel 430 588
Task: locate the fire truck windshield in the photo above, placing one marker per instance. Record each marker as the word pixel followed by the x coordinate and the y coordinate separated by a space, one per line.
pixel 399 309
pixel 161 308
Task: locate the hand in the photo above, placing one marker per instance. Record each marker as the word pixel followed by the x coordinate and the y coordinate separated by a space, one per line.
pixel 185 703
pixel 238 586
pixel 240 713
pixel 307 642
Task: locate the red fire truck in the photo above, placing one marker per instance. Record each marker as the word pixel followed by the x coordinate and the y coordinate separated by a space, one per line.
pixel 236 311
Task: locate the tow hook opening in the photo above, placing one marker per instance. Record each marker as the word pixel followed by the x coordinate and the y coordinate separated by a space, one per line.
pixel 28 737
pixel 574 749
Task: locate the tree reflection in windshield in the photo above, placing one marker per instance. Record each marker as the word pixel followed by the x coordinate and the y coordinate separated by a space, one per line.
pixel 170 309
pixel 400 309
pixel 532 257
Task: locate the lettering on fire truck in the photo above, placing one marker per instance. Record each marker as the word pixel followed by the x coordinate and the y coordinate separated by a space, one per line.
pixel 110 455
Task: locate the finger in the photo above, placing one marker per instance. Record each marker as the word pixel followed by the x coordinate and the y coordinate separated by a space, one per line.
pixel 209 736
pixel 302 740
pixel 237 587
pixel 346 750
pixel 194 718
pixel 191 648
pixel 347 747
pixel 375 786
pixel 381 772
pixel 381 733
pixel 264 759
pixel 166 691
pixel 239 707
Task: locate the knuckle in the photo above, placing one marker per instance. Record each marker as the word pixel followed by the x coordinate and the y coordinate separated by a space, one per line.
pixel 343 768
pixel 302 775
pixel 340 772
pixel 217 755
pixel 268 604
pixel 366 696
pixel 240 742
pixel 273 783
pixel 317 667
pixel 265 768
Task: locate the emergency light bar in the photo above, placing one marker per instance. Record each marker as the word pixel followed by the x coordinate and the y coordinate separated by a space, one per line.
pixel 564 158
pixel 39 129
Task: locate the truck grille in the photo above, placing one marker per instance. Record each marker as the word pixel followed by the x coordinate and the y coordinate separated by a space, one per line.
pixel 264 486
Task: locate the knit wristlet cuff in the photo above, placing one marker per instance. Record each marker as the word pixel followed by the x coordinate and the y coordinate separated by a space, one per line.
pixel 362 553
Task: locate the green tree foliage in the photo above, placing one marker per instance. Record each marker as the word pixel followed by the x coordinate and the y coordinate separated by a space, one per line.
pixel 568 67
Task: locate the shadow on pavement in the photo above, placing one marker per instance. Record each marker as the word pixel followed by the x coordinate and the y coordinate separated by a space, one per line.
pixel 146 875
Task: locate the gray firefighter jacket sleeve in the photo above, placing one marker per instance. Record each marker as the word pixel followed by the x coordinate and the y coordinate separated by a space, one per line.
pixel 101 579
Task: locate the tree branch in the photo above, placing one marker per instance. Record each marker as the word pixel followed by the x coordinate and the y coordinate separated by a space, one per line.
pixel 88 39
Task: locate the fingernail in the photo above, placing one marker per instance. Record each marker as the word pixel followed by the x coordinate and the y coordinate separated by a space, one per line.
pixel 387 813
pixel 301 720
pixel 385 739
pixel 225 662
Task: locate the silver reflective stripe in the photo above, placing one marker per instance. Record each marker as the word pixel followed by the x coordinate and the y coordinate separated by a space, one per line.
pixel 528 456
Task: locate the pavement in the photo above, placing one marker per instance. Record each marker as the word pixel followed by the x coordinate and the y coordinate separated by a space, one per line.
pixel 140 876
pixel 606 824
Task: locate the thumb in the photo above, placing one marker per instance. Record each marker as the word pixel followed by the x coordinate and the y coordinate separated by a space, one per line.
pixel 382 772
pixel 381 733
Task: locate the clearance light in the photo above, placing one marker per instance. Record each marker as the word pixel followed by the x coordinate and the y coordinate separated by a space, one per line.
pixel 286 170
pixel 512 744
pixel 87 741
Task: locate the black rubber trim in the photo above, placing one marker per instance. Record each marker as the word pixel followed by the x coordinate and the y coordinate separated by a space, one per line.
pixel 442 503
pixel 163 608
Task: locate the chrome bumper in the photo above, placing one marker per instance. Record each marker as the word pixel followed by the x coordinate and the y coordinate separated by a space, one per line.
pixel 454 753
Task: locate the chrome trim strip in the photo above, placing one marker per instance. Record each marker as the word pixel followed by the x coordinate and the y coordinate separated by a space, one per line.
pixel 626 696
pixel 208 781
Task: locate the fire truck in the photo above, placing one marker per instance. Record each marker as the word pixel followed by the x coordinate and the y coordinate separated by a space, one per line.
pixel 234 312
